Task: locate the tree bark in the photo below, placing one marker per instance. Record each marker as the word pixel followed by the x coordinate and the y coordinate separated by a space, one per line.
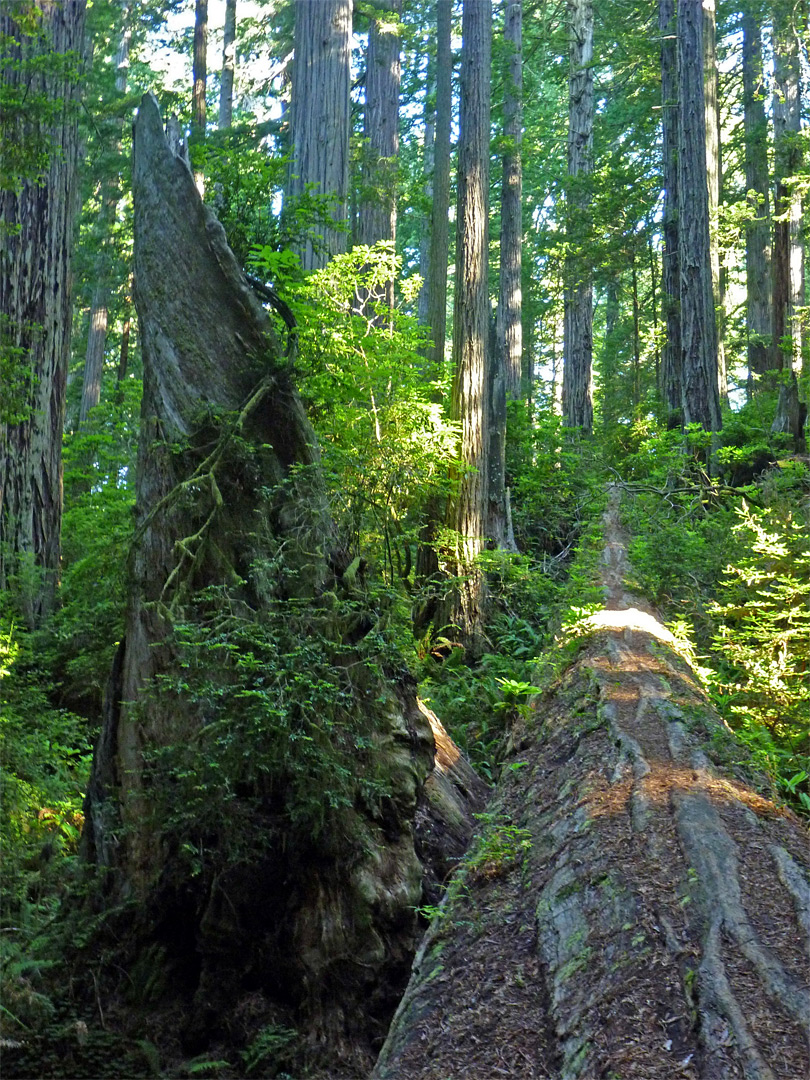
pixel 99 308
pixel 578 360
pixel 321 122
pixel 757 232
pixel 714 177
pixel 700 395
pixel 378 204
pixel 35 315
pixel 324 922
pixel 671 359
pixel 633 906
pixel 788 256
pixel 467 510
pixel 507 352
pixel 439 226
pixel 228 66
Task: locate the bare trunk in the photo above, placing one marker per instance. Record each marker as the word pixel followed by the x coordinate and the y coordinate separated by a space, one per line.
pixel 714 177
pixel 757 233
pixel 35 318
pixel 507 347
pixel 99 308
pixel 470 405
pixel 228 66
pixel 700 394
pixel 378 209
pixel 199 84
pixel 788 259
pixel 320 123
pixel 671 360
pixel 429 120
pixel 632 907
pixel 439 227
pixel 578 364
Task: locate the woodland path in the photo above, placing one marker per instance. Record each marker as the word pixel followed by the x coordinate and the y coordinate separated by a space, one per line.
pixel 654 923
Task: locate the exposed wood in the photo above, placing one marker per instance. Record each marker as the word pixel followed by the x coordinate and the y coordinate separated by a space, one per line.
pixel 671 359
pixel 436 316
pixel 228 66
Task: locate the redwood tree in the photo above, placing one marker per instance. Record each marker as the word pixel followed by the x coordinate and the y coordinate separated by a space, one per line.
pixel 700 393
pixel 320 124
pixel 577 391
pixel 39 64
pixel 470 401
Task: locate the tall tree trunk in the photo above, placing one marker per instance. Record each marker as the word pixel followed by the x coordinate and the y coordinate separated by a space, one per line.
pixel 199 82
pixel 632 907
pixel 429 121
pixel 439 227
pixel 578 364
pixel 36 219
pixel 99 308
pixel 788 257
pixel 700 395
pixel 714 177
pixel 320 122
pixel 233 530
pixel 757 231
pixel 378 208
pixel 228 66
pixel 510 327
pixel 470 403
pixel 671 360
pixel 508 345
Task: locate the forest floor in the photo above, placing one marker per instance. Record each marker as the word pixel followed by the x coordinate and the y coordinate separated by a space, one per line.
pixel 652 921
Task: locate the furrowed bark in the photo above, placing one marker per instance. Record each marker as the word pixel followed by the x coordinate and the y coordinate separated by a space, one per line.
pixel 36 233
pixel 634 906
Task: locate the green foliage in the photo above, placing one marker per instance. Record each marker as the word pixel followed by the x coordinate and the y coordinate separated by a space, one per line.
pixel 734 568
pixel 269 1051
pixel 280 727
pixel 80 639
pixel 763 641
pixel 499 846
pixel 385 441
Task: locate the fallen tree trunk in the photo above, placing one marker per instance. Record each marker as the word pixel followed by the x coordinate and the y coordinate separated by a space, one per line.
pixel 262 764
pixel 635 907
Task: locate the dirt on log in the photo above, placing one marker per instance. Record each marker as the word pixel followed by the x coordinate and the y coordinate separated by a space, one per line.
pixel 268 926
pixel 637 908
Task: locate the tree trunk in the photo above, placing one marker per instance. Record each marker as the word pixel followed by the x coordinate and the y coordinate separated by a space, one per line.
pixel 700 396
pixel 632 907
pixel 578 362
pixel 429 121
pixel 510 328
pixel 228 66
pixel 233 532
pixel 714 177
pixel 320 124
pixel 757 232
pixel 788 256
pixel 467 510
pixel 671 360
pixel 439 227
pixel 508 344
pixel 35 314
pixel 199 84
pixel 99 308
pixel 378 207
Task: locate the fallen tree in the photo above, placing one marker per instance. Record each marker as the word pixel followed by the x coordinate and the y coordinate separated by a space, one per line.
pixel 637 907
pixel 259 789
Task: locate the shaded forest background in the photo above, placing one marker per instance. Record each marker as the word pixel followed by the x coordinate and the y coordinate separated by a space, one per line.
pixel 519 275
